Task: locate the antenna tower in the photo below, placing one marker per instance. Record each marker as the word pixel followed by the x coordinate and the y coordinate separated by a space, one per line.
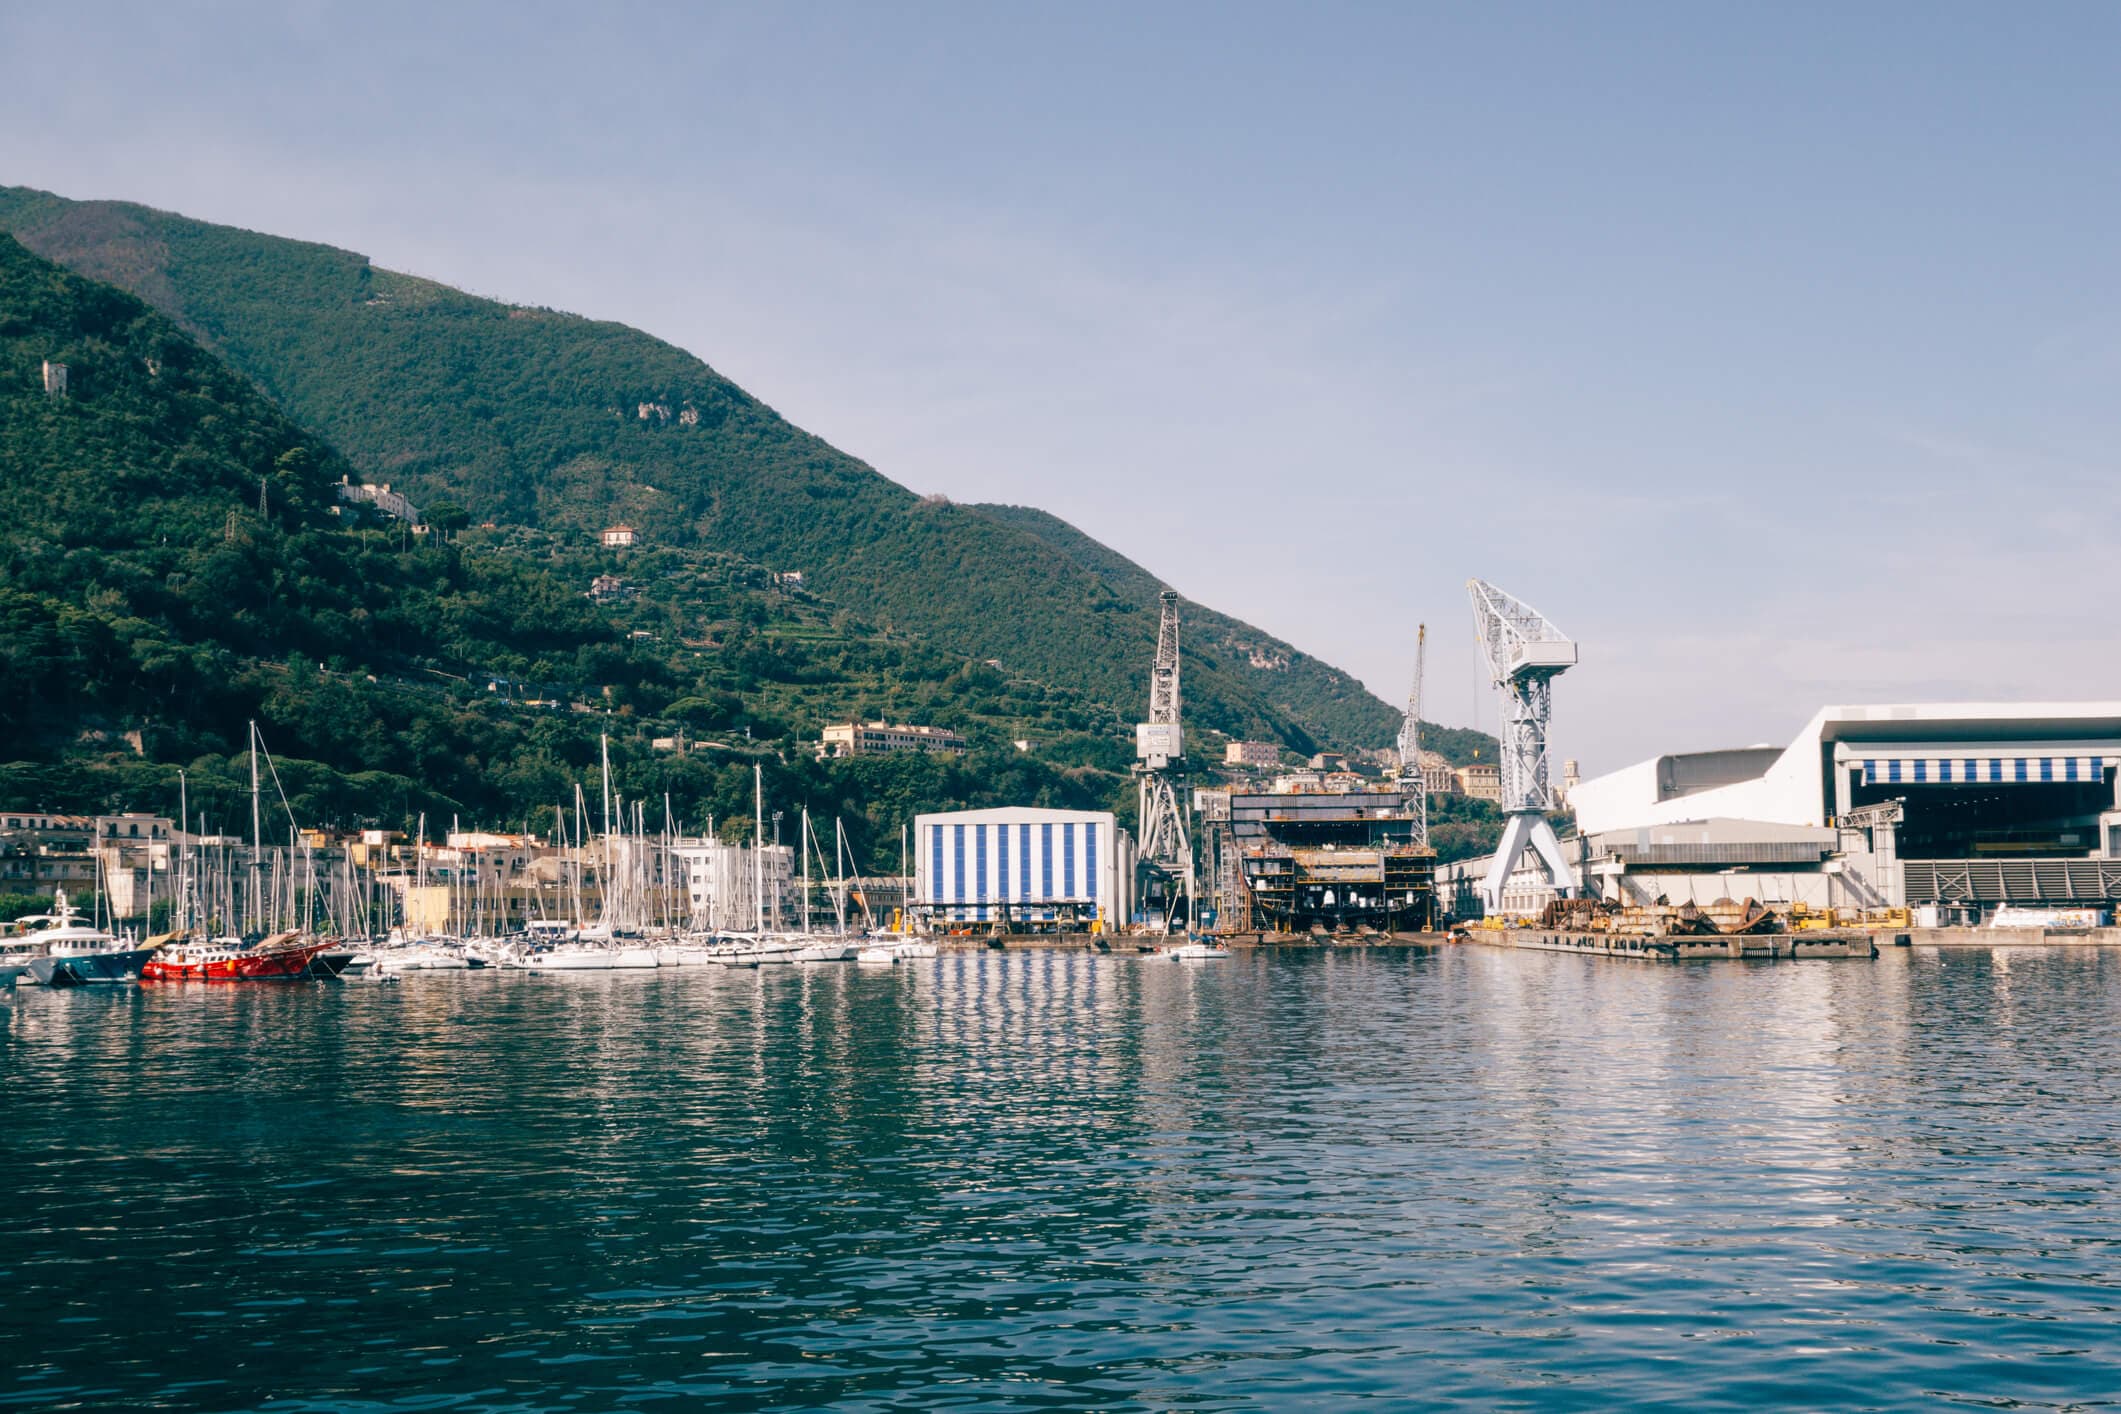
pixel 1525 653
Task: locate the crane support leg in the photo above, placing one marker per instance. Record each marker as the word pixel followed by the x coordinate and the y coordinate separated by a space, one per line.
pixel 1532 832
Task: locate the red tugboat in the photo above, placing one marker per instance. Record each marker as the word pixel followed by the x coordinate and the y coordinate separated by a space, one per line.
pixel 281 957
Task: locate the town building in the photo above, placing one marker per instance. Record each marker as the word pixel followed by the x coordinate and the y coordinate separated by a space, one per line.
pixel 1437 776
pixel 1251 753
pixel 382 497
pixel 1482 781
pixel 618 537
pixel 609 589
pixel 721 883
pixel 1329 761
pixel 872 738
pixel 54 379
pixel 1022 868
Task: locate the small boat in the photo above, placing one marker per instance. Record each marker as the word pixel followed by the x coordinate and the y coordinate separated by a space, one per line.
pixel 824 950
pixel 283 957
pixel 876 957
pixel 1193 950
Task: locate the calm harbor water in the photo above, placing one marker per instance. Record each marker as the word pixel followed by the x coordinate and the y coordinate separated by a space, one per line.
pixel 1061 1181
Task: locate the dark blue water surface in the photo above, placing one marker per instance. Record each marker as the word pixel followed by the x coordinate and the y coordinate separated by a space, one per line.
pixel 1062 1181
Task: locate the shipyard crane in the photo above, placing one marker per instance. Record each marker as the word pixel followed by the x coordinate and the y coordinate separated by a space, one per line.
pixel 1525 653
pixel 1159 749
pixel 1411 779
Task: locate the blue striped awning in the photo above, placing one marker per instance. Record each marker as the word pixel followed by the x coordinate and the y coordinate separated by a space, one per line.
pixel 1983 770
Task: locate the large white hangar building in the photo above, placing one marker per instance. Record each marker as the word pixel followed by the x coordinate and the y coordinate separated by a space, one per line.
pixel 1965 806
pixel 1022 867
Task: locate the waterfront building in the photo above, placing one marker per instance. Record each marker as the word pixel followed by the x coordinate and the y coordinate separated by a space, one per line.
pixel 1952 810
pixel 1022 867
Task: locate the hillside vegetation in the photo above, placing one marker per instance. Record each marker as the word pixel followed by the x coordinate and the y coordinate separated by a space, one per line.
pixel 546 421
pixel 176 564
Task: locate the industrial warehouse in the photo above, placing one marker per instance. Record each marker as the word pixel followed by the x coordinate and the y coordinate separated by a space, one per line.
pixel 1968 814
pixel 1023 869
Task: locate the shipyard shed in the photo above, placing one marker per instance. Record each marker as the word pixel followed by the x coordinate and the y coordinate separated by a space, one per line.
pixel 1022 867
pixel 1960 811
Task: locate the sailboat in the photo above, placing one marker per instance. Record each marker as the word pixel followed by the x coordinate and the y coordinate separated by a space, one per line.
pixel 757 948
pixel 817 947
pixel 599 948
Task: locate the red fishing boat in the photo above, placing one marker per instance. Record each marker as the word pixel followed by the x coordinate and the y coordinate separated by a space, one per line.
pixel 282 957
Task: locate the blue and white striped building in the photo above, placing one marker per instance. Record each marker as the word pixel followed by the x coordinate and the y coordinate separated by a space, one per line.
pixel 1036 866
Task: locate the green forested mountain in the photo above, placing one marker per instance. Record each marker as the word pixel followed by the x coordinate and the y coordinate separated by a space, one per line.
pixel 176 563
pixel 546 421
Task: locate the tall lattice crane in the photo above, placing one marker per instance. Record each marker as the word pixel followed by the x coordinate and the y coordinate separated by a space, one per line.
pixel 1525 653
pixel 1165 852
pixel 1411 779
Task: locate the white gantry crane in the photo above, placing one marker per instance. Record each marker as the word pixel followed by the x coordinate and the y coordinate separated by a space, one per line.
pixel 1525 653
pixel 1159 747
pixel 1411 780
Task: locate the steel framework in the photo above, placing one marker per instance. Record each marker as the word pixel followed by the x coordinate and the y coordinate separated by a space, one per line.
pixel 1525 653
pixel 1159 748
pixel 1411 778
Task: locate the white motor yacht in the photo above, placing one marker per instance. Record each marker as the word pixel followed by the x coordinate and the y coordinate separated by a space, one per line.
pixel 58 950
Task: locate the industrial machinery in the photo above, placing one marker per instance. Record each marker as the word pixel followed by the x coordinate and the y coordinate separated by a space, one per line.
pixel 1165 855
pixel 1411 779
pixel 1525 653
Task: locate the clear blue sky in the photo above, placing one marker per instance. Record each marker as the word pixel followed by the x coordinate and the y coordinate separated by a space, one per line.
pixel 1774 350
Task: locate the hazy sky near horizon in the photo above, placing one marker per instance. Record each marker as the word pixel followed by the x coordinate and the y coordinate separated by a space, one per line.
pixel 1773 351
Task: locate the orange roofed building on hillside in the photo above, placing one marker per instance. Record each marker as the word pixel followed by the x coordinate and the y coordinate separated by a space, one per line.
pixel 618 537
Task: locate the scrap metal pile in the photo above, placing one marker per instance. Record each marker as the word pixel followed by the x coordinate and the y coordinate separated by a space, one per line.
pixel 1723 918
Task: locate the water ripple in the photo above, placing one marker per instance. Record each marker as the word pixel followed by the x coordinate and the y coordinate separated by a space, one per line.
pixel 1060 1181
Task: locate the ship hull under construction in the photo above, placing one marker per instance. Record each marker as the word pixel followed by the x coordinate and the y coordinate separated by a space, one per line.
pixel 1335 862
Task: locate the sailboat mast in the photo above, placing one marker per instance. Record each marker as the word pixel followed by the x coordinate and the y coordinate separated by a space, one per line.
pixel 180 916
pixel 257 836
pixel 758 847
pixel 806 868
